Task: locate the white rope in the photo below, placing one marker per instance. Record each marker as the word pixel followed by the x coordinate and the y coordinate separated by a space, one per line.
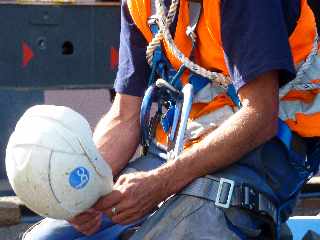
pixel 156 41
pixel 164 34
pixel 164 22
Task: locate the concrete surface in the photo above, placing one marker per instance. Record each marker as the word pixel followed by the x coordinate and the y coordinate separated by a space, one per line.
pixel 13 232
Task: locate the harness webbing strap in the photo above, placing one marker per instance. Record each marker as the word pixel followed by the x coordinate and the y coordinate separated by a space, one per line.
pixel 194 16
pixel 284 133
pixel 194 12
pixel 294 143
pixel 242 196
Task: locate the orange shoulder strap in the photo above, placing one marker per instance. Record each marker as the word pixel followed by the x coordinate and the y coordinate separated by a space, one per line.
pixel 140 10
pixel 301 40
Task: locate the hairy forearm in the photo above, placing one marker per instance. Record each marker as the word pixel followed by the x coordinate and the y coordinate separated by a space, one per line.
pixel 117 134
pixel 224 146
pixel 248 128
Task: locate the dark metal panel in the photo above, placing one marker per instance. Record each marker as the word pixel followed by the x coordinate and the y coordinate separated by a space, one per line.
pixel 106 43
pixel 13 104
pixel 51 66
pixel 50 46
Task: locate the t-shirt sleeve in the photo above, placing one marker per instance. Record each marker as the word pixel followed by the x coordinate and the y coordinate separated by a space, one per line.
pixel 255 39
pixel 133 70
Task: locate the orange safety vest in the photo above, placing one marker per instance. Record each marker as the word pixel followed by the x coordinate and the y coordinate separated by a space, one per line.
pixel 209 37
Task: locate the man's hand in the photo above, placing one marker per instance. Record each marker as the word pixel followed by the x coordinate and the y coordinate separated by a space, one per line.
pixel 134 195
pixel 87 222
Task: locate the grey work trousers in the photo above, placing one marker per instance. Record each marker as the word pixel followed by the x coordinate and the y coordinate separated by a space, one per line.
pixel 181 217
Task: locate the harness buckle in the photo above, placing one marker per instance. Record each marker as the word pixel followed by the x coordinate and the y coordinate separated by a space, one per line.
pixel 152 20
pixel 191 34
pixel 226 200
pixel 250 198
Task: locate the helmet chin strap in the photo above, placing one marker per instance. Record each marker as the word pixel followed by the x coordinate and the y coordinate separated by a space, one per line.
pixel 164 21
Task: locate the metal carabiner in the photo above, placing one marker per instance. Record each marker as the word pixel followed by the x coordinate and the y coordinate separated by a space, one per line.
pixel 145 114
pixel 187 92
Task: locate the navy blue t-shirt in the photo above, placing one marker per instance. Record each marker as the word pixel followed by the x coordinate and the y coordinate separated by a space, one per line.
pixel 254 37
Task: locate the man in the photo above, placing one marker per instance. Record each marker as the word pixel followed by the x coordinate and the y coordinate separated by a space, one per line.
pixel 257 44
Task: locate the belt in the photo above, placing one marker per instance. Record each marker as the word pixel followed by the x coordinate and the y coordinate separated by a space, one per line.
pixel 225 193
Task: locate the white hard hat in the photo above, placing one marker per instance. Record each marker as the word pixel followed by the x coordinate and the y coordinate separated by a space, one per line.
pixel 53 165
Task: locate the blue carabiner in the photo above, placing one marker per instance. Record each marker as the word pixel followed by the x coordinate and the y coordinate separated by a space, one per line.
pixel 145 113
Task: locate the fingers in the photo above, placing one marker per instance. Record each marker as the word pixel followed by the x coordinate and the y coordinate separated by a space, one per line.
pixel 126 214
pixel 107 202
pixel 126 217
pixel 118 208
pixel 91 226
pixel 87 223
pixel 120 180
pixel 131 215
pixel 84 217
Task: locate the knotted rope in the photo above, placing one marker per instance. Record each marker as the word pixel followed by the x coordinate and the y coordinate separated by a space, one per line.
pixel 164 34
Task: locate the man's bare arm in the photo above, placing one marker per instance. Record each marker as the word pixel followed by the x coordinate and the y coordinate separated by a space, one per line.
pixel 116 137
pixel 252 125
pixel 117 133
pixel 137 194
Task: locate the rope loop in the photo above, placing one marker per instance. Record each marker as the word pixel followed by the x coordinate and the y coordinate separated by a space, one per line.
pixel 164 21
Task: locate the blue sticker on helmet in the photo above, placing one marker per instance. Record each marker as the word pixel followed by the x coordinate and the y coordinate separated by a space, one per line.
pixel 79 177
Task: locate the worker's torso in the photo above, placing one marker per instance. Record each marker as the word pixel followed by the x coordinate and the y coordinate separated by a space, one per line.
pixel 209 54
pixel 299 108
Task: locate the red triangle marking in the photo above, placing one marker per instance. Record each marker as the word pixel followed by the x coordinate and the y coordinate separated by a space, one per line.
pixel 27 54
pixel 114 58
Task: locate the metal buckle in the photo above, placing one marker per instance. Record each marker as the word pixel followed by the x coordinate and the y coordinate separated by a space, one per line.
pixel 152 20
pixel 250 198
pixel 221 183
pixel 191 34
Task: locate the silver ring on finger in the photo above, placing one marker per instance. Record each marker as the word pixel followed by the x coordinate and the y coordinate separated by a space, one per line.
pixel 114 211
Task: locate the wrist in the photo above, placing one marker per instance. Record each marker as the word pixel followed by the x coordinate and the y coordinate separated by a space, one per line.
pixel 160 181
pixel 172 177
